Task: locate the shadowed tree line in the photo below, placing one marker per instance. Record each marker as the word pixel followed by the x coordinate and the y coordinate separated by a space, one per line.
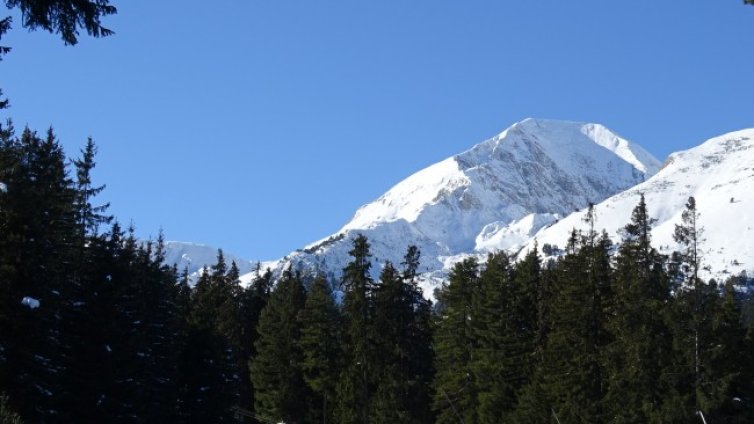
pixel 97 328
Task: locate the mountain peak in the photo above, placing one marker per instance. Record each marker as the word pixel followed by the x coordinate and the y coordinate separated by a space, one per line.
pixel 561 134
pixel 503 189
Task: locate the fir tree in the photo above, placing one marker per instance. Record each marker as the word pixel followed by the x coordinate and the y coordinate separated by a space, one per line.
pixel 89 217
pixel 276 371
pixel 726 382
pixel 455 399
pixel 419 354
pixel 574 376
pixel 355 384
pixel 320 344
pixel 65 17
pixel 492 320
pixel 638 355
pixel 209 364
pixel 253 300
pixel 146 341
pixel 688 235
pixel 402 343
pixel 36 218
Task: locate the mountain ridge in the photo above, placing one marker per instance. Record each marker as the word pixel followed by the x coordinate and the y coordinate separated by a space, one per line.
pixel 719 174
pixel 527 176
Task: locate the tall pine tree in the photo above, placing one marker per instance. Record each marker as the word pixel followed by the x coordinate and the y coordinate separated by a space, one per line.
pixel 320 345
pixel 356 382
pixel 639 354
pixel 276 371
pixel 455 399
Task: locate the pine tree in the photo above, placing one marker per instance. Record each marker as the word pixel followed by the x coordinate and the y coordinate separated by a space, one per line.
pixel 529 312
pixel 276 371
pixel 145 343
pixel 89 217
pixel 37 217
pixel 90 302
pixel 356 382
pixel 492 321
pixel 253 300
pixel 689 236
pixel 65 17
pixel 571 375
pixel 638 357
pixel 419 353
pixel 320 343
pixel 532 404
pixel 402 342
pixel 209 364
pixel 726 379
pixel 505 328
pixel 455 399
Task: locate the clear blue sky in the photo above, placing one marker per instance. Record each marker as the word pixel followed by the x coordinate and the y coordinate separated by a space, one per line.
pixel 260 126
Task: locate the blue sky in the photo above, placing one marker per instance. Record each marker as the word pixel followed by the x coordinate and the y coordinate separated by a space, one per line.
pixel 260 126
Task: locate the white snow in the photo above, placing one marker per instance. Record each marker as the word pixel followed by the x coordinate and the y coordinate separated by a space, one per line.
pixel 3 187
pixel 511 236
pixel 531 182
pixel 719 174
pixel 194 256
pixel 631 153
pixel 409 197
pixel 30 302
pixel 495 195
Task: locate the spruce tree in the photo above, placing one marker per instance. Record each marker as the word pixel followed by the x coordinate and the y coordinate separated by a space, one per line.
pixel 419 354
pixel 253 300
pixel 402 341
pixel 455 399
pixel 495 348
pixel 90 302
pixel 531 403
pixel 355 384
pixel 320 344
pixel 280 393
pixel 569 378
pixel 504 321
pixel 724 394
pixel 36 218
pixel 89 216
pixel 145 343
pixel 210 375
pixel 639 354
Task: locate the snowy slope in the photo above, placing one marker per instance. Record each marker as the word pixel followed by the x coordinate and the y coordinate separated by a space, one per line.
pixel 719 174
pixel 497 194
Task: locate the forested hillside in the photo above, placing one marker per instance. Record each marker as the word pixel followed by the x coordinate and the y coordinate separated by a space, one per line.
pixel 97 328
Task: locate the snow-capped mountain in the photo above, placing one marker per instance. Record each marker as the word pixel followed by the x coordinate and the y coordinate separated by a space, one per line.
pixel 719 174
pixel 194 257
pixel 497 194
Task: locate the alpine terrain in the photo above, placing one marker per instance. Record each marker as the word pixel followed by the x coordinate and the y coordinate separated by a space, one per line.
pixel 719 174
pixel 496 195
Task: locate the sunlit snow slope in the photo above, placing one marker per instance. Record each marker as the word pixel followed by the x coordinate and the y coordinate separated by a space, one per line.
pixel 496 195
pixel 719 174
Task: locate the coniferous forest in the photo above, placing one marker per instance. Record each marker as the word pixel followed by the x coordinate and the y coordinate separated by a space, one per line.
pixel 97 328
